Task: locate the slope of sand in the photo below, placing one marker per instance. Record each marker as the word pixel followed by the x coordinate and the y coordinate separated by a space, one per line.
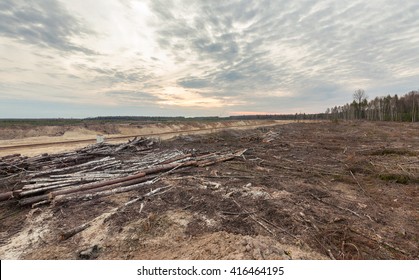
pixel 52 134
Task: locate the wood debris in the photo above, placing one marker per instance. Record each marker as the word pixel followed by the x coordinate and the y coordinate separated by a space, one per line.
pixel 97 170
pixel 270 136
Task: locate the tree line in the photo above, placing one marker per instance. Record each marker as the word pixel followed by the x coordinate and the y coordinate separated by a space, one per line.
pixel 387 108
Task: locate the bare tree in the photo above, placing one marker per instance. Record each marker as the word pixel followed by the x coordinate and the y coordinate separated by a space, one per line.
pixel 359 95
pixel 360 98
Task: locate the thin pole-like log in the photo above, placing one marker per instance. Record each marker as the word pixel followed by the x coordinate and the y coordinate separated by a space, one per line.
pixel 106 185
pixel 217 160
pixel 143 173
pixel 66 235
pixel 44 189
pixel 33 199
pixel 114 188
pixel 87 196
pixel 176 158
pixel 96 185
pixel 104 161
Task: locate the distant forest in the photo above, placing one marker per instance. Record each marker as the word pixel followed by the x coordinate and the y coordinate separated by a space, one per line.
pixel 387 108
pixel 299 116
pixel 148 119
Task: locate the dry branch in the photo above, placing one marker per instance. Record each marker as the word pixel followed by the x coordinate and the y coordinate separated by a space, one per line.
pixel 356 180
pixel 380 242
pixel 67 234
pixel 341 208
pixel 253 217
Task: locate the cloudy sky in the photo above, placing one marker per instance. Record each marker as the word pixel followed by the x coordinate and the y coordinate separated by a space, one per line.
pixel 84 58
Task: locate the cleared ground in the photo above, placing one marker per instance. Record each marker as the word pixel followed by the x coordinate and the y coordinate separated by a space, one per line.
pixel 301 190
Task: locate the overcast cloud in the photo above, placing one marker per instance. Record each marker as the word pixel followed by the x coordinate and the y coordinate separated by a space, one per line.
pixel 200 58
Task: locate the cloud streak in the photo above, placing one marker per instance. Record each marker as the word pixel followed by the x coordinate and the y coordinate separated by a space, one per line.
pixel 204 57
pixel 45 23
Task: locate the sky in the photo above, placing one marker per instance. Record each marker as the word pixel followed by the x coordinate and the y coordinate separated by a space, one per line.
pixel 87 58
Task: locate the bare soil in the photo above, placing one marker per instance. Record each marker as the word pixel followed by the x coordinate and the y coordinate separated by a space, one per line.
pixel 301 191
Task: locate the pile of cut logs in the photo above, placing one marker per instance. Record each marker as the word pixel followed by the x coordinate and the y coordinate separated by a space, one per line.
pixel 96 171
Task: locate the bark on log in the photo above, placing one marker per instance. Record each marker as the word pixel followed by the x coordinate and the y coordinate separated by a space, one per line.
pixel 10 156
pixel 95 185
pixel 61 183
pixel 106 187
pixel 6 196
pixel 170 160
pixel 114 188
pixel 166 167
pixel 33 199
pixel 67 234
pixel 103 161
pixel 214 161
pixel 51 195
pixel 40 190
pixel 77 196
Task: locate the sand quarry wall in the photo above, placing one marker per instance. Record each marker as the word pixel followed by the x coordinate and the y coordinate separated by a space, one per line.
pixel 29 135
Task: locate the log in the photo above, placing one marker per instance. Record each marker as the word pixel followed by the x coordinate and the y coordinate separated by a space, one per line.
pixel 51 195
pixel 6 196
pixel 151 170
pixel 95 185
pixel 10 156
pixel 114 188
pixel 214 161
pixel 88 196
pixel 105 166
pixel 104 161
pixel 43 202
pixel 79 175
pixel 107 186
pixel 67 234
pixel 50 183
pixel 222 158
pixel 166 167
pixel 33 199
pixel 40 190
pixel 176 158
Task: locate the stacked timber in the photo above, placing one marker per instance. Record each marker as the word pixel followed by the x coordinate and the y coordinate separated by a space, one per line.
pixel 96 171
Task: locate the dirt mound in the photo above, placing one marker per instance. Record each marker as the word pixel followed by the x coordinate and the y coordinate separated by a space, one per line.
pixel 225 246
pixel 153 237
pixel 19 132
